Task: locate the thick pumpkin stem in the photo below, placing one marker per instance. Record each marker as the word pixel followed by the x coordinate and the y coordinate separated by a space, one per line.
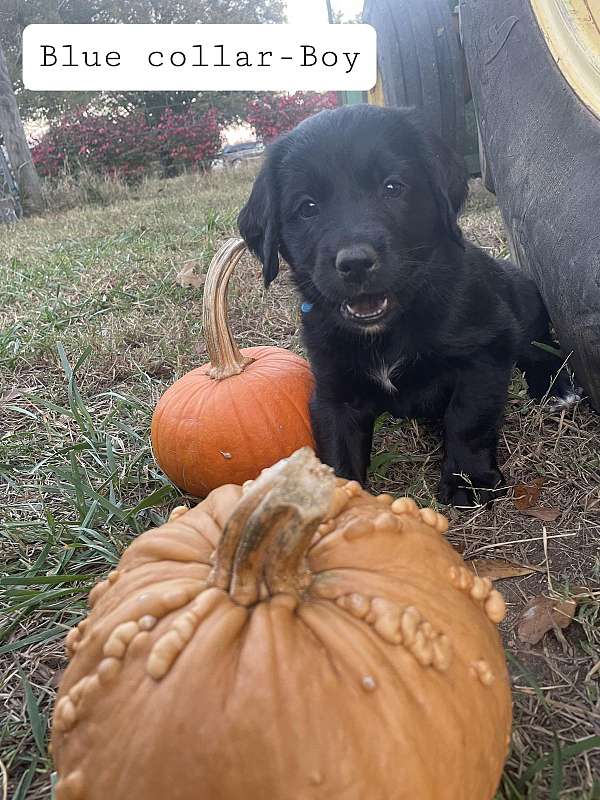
pixel 225 356
pixel 271 528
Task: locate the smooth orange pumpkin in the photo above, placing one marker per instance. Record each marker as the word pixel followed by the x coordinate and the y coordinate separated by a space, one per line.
pixel 295 639
pixel 228 420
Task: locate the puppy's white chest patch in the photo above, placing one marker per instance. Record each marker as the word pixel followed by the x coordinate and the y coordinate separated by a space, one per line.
pixel 383 374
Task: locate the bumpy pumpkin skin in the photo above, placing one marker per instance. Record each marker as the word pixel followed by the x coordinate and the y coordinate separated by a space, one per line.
pixel 207 433
pixel 383 679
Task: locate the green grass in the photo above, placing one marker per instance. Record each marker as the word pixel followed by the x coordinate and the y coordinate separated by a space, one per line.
pixel 94 326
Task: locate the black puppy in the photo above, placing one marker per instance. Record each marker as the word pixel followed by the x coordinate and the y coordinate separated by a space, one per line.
pixel 404 315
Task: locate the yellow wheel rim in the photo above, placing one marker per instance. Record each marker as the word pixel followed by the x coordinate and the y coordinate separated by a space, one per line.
pixel 572 31
pixel 376 97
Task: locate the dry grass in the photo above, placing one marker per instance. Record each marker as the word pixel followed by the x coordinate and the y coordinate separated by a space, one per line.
pixel 93 327
pixel 72 191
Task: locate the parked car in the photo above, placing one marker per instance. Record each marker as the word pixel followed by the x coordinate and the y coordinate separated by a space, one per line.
pixel 233 155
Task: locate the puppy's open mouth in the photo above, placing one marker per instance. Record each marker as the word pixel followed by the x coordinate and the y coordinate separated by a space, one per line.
pixel 366 308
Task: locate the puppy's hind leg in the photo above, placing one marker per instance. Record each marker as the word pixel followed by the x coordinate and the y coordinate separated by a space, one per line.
pixel 547 375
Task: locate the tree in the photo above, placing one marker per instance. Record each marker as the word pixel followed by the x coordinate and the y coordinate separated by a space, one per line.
pixel 19 155
pixel 21 13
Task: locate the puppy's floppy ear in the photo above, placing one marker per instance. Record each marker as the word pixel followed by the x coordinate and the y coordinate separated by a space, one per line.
pixel 258 222
pixel 450 175
pixel 449 178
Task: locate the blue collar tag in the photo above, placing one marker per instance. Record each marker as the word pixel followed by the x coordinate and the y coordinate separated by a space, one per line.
pixel 306 307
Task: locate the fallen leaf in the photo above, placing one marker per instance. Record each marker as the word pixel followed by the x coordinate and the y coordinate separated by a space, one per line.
pixel 545 514
pixel 158 369
pixel 57 678
pixel 12 394
pixel 581 592
pixel 527 494
pixel 499 568
pixel 543 614
pixel 186 277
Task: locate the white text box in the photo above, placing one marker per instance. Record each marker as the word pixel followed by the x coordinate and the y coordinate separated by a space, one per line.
pixel 199 57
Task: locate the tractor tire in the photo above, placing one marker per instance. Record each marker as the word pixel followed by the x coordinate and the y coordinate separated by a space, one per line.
pixel 538 109
pixel 486 174
pixel 420 62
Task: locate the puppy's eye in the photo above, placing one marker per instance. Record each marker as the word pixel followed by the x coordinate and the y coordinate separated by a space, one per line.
pixel 392 188
pixel 308 209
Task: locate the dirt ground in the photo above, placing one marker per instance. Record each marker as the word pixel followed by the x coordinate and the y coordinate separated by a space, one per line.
pixel 94 326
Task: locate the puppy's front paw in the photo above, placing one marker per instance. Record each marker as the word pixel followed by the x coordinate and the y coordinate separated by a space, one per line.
pixel 469 491
pixel 564 392
pixel 563 402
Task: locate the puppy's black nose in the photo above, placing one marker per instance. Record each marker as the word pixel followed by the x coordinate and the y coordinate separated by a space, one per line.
pixel 355 262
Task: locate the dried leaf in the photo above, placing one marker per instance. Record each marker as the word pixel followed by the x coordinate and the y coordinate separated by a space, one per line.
pixel 542 614
pixel 527 494
pixel 186 277
pixel 545 514
pixel 11 395
pixel 158 369
pixel 499 568
pixel 57 678
pixel 581 592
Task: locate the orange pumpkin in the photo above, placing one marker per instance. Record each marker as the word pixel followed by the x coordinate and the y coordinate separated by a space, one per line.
pixel 295 639
pixel 228 420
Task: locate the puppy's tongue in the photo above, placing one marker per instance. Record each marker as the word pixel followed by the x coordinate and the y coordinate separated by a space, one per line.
pixel 367 305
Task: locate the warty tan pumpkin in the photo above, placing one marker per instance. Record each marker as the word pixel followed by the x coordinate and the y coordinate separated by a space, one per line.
pixel 295 639
pixel 229 419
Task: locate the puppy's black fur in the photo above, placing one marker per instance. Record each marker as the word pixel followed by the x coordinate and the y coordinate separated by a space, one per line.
pixel 406 316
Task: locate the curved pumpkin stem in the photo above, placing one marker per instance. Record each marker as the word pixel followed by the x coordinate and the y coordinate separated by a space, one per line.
pixel 271 529
pixel 225 356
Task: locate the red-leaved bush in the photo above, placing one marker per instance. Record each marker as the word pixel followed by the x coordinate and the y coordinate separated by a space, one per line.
pixel 126 145
pixel 274 114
